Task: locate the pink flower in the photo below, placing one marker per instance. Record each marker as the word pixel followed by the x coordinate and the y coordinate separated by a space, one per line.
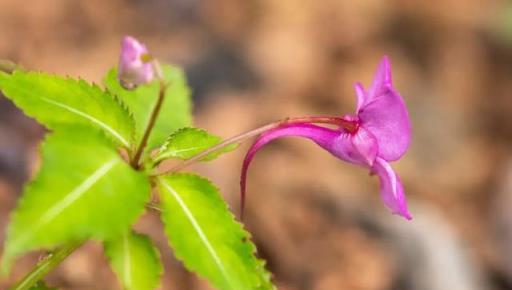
pixel 135 67
pixel 379 132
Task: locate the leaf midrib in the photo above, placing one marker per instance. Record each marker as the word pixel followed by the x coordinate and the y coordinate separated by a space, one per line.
pixel 127 263
pixel 68 199
pixel 199 231
pixel 90 118
pixel 174 152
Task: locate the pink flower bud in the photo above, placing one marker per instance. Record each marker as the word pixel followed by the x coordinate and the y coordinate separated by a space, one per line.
pixel 135 67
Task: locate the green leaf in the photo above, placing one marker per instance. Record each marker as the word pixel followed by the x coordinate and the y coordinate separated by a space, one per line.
pixel 41 286
pixel 187 142
pixel 55 101
pixel 206 237
pixel 176 108
pixel 135 261
pixel 83 190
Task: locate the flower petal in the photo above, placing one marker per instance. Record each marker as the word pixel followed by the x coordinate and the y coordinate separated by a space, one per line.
pixel 387 119
pixel 391 189
pixel 361 95
pixel 381 80
pixel 365 145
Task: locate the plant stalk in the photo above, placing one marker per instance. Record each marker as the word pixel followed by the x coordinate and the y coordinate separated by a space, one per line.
pixel 135 162
pixel 44 266
pixel 255 132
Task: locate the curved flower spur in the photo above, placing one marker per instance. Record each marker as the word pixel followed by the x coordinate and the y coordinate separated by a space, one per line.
pixel 379 132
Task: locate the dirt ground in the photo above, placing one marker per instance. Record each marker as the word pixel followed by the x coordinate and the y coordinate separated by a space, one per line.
pixel 317 221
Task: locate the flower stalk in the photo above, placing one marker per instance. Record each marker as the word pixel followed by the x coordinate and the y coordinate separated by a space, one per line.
pixel 135 161
pixel 337 121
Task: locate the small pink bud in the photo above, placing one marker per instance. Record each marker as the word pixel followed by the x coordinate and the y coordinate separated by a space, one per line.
pixel 135 67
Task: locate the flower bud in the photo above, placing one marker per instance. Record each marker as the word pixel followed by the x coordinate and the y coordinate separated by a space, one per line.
pixel 135 64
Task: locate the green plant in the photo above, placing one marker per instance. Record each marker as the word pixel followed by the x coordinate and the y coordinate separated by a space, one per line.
pixel 101 161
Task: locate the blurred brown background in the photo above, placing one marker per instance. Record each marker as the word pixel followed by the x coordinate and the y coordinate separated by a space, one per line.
pixel 318 222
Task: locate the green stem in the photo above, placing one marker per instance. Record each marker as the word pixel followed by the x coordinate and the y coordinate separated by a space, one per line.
pixel 135 162
pixel 46 265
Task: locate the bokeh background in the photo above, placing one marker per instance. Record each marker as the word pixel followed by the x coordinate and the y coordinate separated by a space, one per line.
pixel 317 221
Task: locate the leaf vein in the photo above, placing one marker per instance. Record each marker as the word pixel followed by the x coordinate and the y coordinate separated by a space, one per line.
pixel 199 231
pixel 127 263
pixel 90 118
pixel 73 196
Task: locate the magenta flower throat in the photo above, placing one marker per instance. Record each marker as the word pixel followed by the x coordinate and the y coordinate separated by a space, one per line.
pixel 378 133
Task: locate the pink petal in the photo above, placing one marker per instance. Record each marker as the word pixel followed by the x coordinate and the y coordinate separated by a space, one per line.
pixel 365 144
pixel 361 95
pixel 381 80
pixel 391 189
pixel 387 119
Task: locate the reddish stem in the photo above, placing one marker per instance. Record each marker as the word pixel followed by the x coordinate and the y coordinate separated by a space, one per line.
pixel 135 162
pixel 345 124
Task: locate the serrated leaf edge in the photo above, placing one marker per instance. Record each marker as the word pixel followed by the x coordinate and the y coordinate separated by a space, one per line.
pixel 198 229
pixel 259 263
pixel 91 85
pixel 161 155
pixel 73 196
pixel 117 100
pixel 177 132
